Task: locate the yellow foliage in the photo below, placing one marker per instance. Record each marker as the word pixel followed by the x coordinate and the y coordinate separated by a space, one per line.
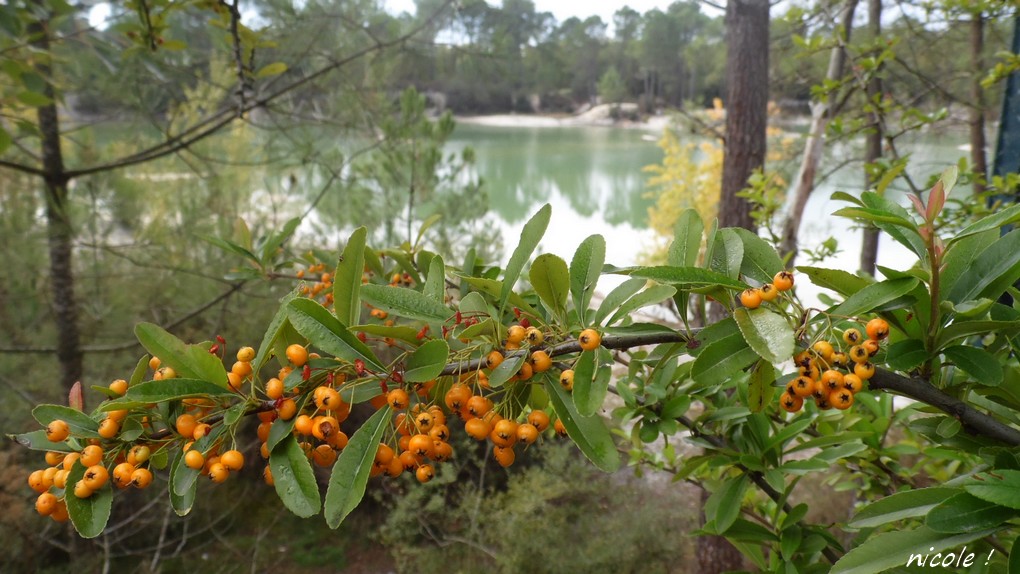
pixel 688 177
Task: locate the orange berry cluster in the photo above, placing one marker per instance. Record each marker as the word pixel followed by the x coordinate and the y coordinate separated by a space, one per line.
pixel 754 297
pixel 832 378
pixel 321 282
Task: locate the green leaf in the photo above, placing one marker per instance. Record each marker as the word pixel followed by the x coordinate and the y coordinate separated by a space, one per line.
pixel 991 272
pixel 892 549
pixel 294 478
pixel 961 329
pixel 89 515
pixel 723 506
pixel 994 221
pixel 166 390
pixel 329 334
pixel 721 360
pixel 688 277
pixel 904 230
pixel 5 140
pixel 727 254
pixel 505 370
pixel 589 397
pixel 686 245
pixel 181 503
pixel 900 506
pixel 760 262
pixel 352 468
pixel 347 279
pixel 842 282
pixel 34 99
pixel 650 296
pixel 761 387
pixel 190 361
pixel 585 270
pixel 277 328
pixel 966 513
pixel 427 361
pixel 590 434
pixel 584 374
pixel 399 332
pixel 493 287
pixel 274 69
pixel 231 247
pixel 36 440
pixel 79 422
pixel 531 234
pixel 978 363
pixel 1001 487
pixel 551 280
pixel 875 295
pixel 960 256
pixel 272 244
pixel 769 334
pixel 616 297
pixel 435 281
pixel 406 303
pixel 906 355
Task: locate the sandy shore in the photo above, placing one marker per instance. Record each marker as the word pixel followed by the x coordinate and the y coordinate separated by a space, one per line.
pixel 654 123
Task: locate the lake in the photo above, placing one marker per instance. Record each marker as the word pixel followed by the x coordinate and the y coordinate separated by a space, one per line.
pixel 592 178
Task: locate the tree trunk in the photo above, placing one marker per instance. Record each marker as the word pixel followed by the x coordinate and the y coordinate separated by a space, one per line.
pixel 978 160
pixel 873 149
pixel 747 74
pixel 812 158
pixel 59 231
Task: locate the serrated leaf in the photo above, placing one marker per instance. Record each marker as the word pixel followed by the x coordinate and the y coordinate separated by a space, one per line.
pixel 327 333
pixel 505 370
pixel 905 355
pixel 686 277
pixel 190 361
pixel 406 303
pixel 347 279
pixel 727 253
pixel 891 549
pixel 585 270
pixel 89 515
pixel 874 296
pixel 994 221
pixel 435 281
pixel 351 471
pixel 769 334
pixel 760 262
pixel 962 329
pixel 181 503
pixel 978 363
pixel 531 234
pixel 651 296
pixel 842 282
pixel 721 360
pixel 294 478
pixel 966 513
pixel 36 440
pixel 616 297
pixel 165 390
pixel 686 245
pixel 991 272
pixel 1001 487
pixel 427 361
pixel 900 506
pixel 589 433
pixel 551 280
pixel 78 422
pixel 760 387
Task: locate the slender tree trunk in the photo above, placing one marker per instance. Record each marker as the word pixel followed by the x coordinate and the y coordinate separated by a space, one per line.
pixel 812 158
pixel 747 75
pixel 60 233
pixel 978 159
pixel 873 145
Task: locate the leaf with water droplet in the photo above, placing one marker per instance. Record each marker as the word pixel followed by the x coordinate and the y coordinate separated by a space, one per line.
pixel 294 479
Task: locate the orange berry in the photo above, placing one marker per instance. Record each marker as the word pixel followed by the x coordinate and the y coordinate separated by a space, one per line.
pixel 82 490
pixel 267 475
pixel 504 455
pixel 57 431
pixel 96 476
pixel 425 473
pixel 274 388
pixel 493 359
pixel 504 433
pixel 791 403
pixel 589 339
pixel 750 298
pixel 768 292
pixel 232 459
pixel 853 383
pixel 398 399
pixel 852 336
pixel 539 420
pixel 877 329
pixel 109 428
pixel 559 428
pixel 527 433
pixel 477 429
pixel 154 363
pixel 186 425
pixel 53 458
pixel 420 445
pixel 297 355
pixel 535 336
pixel 245 354
pixel 515 334
pixel 91 455
pixel 218 472
pixel 194 460
pixel 287 409
pixel 46 503
pixel 120 386
pixel 567 379
pixel 783 281
pixel 841 399
pixel 541 361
